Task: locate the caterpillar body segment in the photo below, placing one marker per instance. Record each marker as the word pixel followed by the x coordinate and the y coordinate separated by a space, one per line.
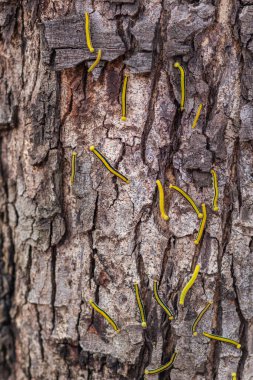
pixel 163 367
pixel 105 315
pixel 182 84
pixel 202 225
pixel 199 317
pixel 222 339
pixel 234 377
pixel 216 190
pixel 96 62
pixel 161 303
pixel 73 168
pixel 123 98
pixel 107 165
pixel 87 32
pixel 140 305
pixel 189 284
pixel 161 200
pixel 189 199
pixel 197 116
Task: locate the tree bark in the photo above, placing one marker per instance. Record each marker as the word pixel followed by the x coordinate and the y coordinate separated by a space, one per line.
pixel 62 245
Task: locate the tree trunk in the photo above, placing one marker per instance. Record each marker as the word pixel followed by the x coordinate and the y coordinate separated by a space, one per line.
pixel 62 245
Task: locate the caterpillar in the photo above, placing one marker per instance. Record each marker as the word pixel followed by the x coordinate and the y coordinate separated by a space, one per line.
pixel 123 98
pixel 182 81
pixel 163 367
pixel 96 62
pixel 216 190
pixel 189 199
pixel 140 305
pixel 222 339
pixel 73 168
pixel 199 317
pixel 189 284
pixel 197 116
pixel 87 32
pixel 202 225
pixel 107 165
pixel 233 374
pixel 161 303
pixel 161 200
pixel 105 315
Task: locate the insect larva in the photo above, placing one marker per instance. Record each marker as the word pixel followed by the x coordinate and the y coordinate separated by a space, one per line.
pixel 160 302
pixel 96 62
pixel 107 165
pixel 123 98
pixel 163 367
pixel 73 168
pixel 140 305
pixel 189 284
pixel 202 225
pixel 189 199
pixel 182 81
pixel 105 315
pixel 199 317
pixel 161 200
pixel 216 190
pixel 87 32
pixel 197 116
pixel 222 339
pixel 233 374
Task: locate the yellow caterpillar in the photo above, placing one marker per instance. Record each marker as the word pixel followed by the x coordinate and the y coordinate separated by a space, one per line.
pixel 123 98
pixel 216 191
pixel 189 284
pixel 87 32
pixel 199 317
pixel 222 339
pixel 197 116
pixel 202 225
pixel 105 315
pixel 160 302
pixel 163 367
pixel 140 305
pixel 182 81
pixel 233 375
pixel 189 199
pixel 161 200
pixel 73 168
pixel 96 62
pixel 107 165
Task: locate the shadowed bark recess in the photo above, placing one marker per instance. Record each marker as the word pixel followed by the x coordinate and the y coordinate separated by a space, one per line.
pixel 62 245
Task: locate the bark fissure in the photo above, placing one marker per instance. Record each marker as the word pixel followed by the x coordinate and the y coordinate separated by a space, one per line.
pixel 53 284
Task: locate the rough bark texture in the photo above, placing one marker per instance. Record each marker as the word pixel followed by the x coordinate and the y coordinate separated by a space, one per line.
pixel 62 245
